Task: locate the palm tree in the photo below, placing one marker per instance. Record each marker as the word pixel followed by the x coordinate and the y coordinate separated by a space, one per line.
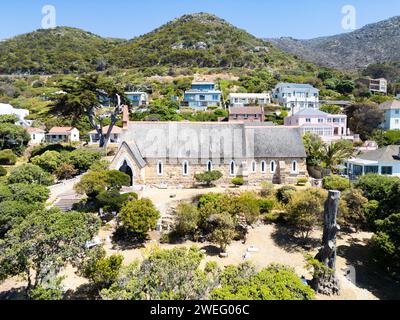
pixel 333 154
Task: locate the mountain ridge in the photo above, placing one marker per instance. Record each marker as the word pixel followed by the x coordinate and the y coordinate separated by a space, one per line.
pixel 195 40
pixel 374 43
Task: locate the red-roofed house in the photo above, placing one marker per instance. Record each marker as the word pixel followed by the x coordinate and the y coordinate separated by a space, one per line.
pixel 246 114
pixel 115 136
pixel 63 134
pixel 37 135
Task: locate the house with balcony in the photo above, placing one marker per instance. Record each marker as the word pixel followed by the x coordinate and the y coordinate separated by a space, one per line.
pixel 375 85
pixel 62 134
pixel 296 97
pixel 249 99
pixel 115 136
pixel 202 95
pixel 330 127
pixel 246 114
pixel 138 98
pixel 391 111
pixel 383 161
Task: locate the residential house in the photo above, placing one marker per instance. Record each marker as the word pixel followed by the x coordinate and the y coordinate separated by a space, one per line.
pixel 62 134
pixel 21 114
pixel 138 99
pixel 171 153
pixel 246 114
pixel 37 135
pixel 249 99
pixel 296 97
pixel 202 95
pixel 375 85
pixel 383 161
pixel 115 136
pixel 329 127
pixel 391 111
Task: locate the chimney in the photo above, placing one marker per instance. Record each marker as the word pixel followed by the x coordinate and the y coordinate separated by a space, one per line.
pixel 125 117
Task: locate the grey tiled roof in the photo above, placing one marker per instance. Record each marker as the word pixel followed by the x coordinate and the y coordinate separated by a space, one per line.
pixel 200 140
pixel 311 112
pixel 388 154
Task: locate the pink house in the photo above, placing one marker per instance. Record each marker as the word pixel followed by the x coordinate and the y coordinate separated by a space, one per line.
pixel 329 127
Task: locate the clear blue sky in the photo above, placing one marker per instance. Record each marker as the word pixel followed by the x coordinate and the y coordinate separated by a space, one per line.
pixel 129 18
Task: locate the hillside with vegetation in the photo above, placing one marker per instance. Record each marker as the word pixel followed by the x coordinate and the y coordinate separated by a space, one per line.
pixel 196 41
pixel 59 50
pixel 200 40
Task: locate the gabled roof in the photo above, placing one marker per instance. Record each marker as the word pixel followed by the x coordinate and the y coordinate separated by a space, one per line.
pixel 246 110
pixel 390 154
pixel 311 112
pixel 35 130
pixel 61 130
pixel 389 105
pixel 197 140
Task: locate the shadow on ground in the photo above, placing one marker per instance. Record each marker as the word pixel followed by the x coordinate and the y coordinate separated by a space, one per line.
pixel 369 275
pixel 83 292
pixel 13 294
pixel 211 250
pixel 284 237
pixel 123 240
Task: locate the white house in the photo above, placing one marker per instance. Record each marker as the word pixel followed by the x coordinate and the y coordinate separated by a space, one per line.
pixel 115 136
pixel 62 134
pixel 296 97
pixel 391 111
pixel 37 135
pixel 249 99
pixel 138 98
pixel 383 161
pixel 21 114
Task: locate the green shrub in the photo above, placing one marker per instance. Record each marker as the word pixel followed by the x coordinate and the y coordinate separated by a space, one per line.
pixel 209 177
pixel 7 157
pixel 39 150
pixel 112 200
pixel 48 161
pixel 238 181
pixel 302 181
pixel 29 173
pixel 334 182
pixel 267 189
pixel 274 217
pixel 187 219
pixel 3 171
pixel 82 159
pixel 266 205
pixel 285 193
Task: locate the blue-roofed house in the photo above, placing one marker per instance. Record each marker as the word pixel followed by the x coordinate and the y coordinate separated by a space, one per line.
pixel 391 111
pixel 296 97
pixel 202 95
